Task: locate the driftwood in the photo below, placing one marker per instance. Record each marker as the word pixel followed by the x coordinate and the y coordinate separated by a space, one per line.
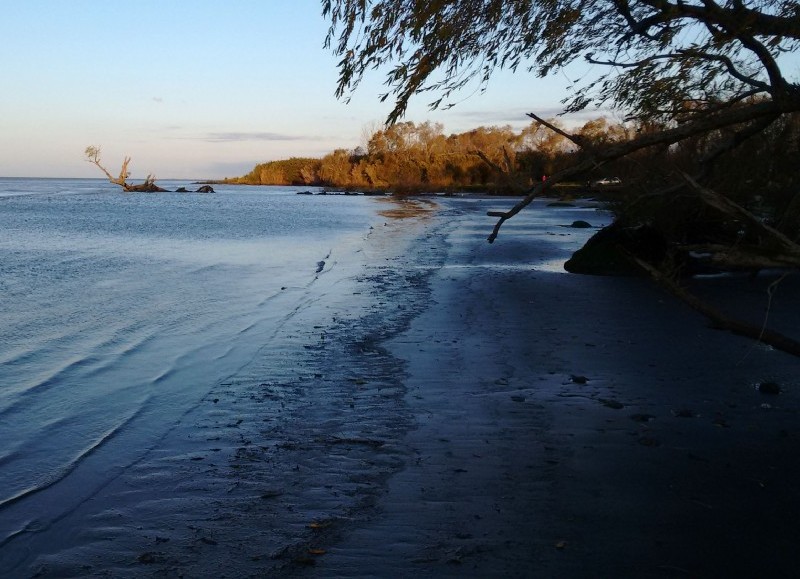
pixel 149 186
pixel 718 319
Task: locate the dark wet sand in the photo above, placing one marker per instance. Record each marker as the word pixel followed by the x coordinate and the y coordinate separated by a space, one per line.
pixel 570 426
pixel 465 409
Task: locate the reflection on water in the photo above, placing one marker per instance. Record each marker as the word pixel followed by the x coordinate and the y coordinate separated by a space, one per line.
pixel 405 208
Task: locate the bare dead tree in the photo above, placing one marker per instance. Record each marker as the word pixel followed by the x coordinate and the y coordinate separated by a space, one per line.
pixel 92 154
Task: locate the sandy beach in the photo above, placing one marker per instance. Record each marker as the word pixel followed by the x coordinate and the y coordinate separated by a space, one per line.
pixel 466 409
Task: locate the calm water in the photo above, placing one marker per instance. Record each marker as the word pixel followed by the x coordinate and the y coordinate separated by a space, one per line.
pixel 121 311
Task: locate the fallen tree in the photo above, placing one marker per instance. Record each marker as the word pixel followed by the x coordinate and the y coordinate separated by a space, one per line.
pixel 149 186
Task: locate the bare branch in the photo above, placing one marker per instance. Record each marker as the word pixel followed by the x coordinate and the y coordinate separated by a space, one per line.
pixel 577 139
pixel 730 207
pixel 686 54
pixel 93 156
pixel 719 319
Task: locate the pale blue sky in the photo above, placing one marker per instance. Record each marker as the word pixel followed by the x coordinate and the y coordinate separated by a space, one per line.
pixel 196 88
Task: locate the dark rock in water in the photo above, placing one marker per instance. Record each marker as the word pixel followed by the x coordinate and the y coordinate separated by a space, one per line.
pixel 608 251
pixel 580 224
pixel 181 190
pixel 769 388
pixel 205 189
pixel 320 266
pixel 146 187
pixel 304 193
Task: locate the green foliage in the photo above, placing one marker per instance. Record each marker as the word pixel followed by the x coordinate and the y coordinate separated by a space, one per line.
pixel 293 171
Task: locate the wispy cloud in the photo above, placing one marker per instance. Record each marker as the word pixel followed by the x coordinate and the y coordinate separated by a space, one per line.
pixel 253 136
pixel 492 117
pixel 158 100
pixel 519 116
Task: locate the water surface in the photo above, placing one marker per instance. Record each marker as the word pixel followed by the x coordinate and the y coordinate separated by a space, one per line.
pixel 121 311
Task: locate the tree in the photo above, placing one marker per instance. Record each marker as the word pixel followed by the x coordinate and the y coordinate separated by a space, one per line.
pixel 92 154
pixel 654 56
pixel 690 67
pixel 701 71
pixel 335 168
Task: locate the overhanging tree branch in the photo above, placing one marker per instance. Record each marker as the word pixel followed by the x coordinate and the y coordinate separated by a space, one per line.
pixel 599 156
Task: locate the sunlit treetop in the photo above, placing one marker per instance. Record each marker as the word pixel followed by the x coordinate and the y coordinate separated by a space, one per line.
pixel 652 59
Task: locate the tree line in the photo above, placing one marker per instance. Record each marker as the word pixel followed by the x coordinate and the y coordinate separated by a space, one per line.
pixel 412 157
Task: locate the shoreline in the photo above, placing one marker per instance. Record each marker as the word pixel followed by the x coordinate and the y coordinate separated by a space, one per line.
pixel 457 408
pixel 574 426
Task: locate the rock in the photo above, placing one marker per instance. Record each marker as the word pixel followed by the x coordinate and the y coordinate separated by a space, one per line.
pixel 205 189
pixel 608 251
pixel 149 558
pixel 146 187
pixel 580 224
pixel 769 388
pixel 181 190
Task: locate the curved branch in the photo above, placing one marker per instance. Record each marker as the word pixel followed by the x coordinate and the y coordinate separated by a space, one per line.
pixel 578 140
pixel 685 54
pixel 732 19
pixel 93 156
pixel 777 82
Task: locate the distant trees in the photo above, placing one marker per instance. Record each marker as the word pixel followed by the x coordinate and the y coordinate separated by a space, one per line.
pixel 293 171
pixel 410 157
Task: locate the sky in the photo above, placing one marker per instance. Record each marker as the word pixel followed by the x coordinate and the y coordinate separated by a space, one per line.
pixel 198 88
